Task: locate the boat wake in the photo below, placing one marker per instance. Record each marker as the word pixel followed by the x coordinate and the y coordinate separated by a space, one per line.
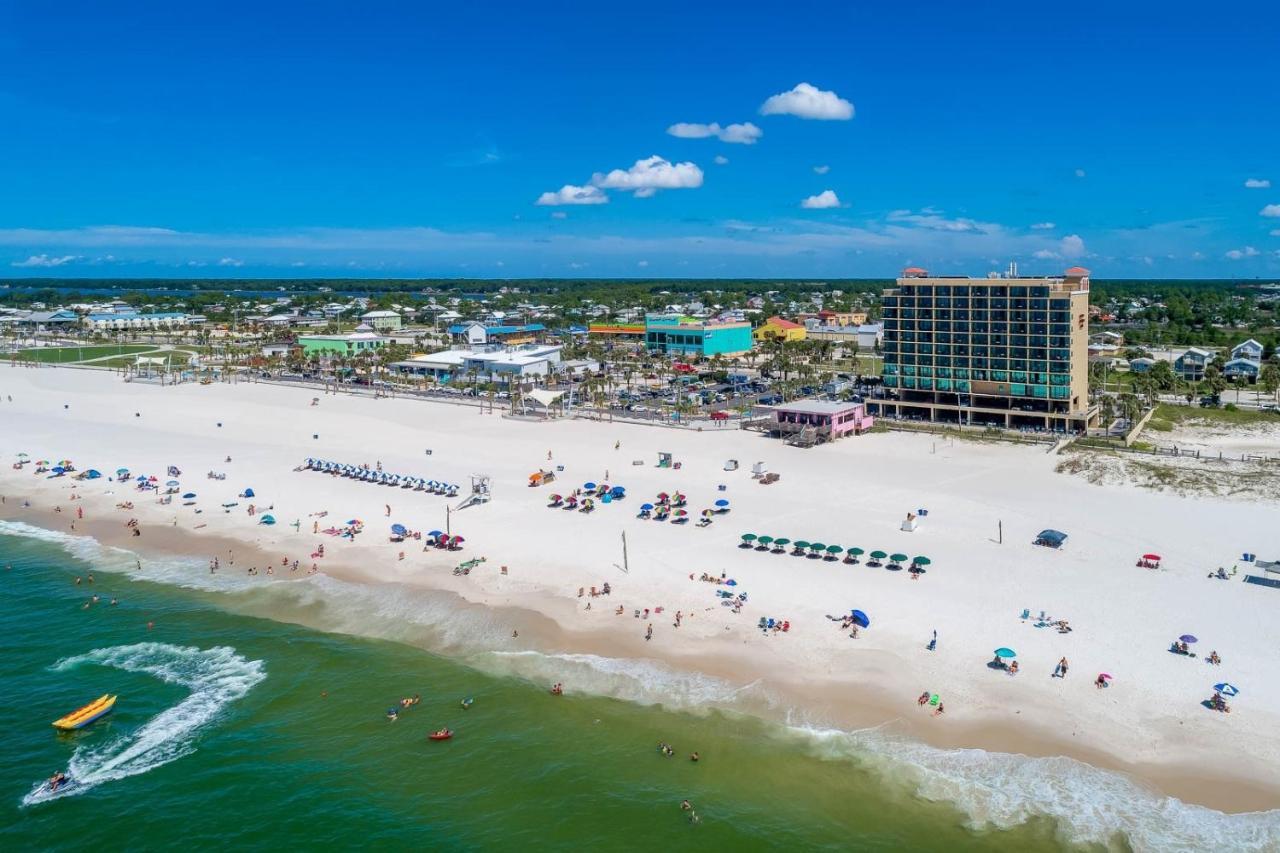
pixel 216 677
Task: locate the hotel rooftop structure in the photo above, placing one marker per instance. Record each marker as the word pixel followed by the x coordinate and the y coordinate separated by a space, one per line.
pixel 999 351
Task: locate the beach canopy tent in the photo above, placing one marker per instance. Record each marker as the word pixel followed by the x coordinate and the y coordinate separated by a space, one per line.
pixel 861 618
pixel 267 519
pixel 91 474
pixel 398 529
pixel 247 493
pixel 1051 538
pixel 543 397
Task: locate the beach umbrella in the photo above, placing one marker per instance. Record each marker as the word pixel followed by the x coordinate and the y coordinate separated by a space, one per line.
pixel 683 512
pixel 459 539
pixel 706 513
pixel 435 533
pixel 861 618
pixel 58 469
pixel 1004 652
pixel 922 561
pixel 816 546
pixel 650 506
pixel 662 496
pixel 141 478
pixel 1226 689
pixel 121 472
pixel 834 549
pixel 1153 557
pixel 857 552
pixel 765 540
pixel 800 543
pixel 267 519
pixel 188 496
pixel 878 555
pixel 1105 676
pixel 722 502
pixel 588 485
pixel 1188 638
pixel 172 483
pixel 398 529
pixel 42 461
pixel 24 456
pixel 898 558
pixel 781 541
pixel 748 537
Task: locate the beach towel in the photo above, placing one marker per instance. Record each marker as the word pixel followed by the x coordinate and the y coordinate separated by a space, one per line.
pixel 933 700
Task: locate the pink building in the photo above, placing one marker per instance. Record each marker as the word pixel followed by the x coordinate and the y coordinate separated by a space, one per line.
pixel 823 421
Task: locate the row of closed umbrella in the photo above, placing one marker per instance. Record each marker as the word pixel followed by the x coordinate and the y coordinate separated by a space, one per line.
pixel 800 545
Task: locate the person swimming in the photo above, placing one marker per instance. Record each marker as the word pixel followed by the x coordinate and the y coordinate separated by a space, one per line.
pixel 392 714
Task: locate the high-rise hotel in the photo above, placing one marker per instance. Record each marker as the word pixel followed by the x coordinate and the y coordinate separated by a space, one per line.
pixel 1000 351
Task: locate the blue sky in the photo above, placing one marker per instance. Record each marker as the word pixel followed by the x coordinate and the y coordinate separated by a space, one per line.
pixel 818 140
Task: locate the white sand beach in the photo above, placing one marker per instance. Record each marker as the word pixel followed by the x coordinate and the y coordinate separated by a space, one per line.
pixel 1150 721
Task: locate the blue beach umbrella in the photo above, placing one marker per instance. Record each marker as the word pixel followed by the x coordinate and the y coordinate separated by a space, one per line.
pixel 722 502
pixel 172 483
pixel 646 506
pixel 398 529
pixel 1226 689
pixel 188 496
pixel 861 618
pixel 1004 652
pixel 120 472
pixel 435 533
pixel 1188 638
pixel 588 485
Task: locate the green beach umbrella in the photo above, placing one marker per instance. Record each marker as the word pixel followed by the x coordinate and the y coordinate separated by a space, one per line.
pixel 765 540
pixel 781 540
pixel 748 537
pixel 922 561
pixel 800 543
pixel 816 546
pixel 898 558
pixel 834 549
pixel 857 552
pixel 878 555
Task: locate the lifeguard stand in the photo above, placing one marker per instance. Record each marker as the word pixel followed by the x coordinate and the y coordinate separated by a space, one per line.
pixel 480 492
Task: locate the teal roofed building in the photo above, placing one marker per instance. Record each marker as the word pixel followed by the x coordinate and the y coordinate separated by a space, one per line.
pixel 673 333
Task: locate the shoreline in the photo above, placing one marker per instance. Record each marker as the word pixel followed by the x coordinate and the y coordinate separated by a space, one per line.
pixel 1183 780
pixel 814 677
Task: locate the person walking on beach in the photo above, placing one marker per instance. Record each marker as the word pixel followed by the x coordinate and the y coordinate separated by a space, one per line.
pixel 648 634
pixel 388 510
pixel 1061 671
pixel 933 644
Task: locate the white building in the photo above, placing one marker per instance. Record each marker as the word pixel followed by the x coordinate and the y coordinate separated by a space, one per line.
pixel 485 364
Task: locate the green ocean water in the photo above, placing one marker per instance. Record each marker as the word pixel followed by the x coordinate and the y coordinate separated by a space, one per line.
pixel 235 730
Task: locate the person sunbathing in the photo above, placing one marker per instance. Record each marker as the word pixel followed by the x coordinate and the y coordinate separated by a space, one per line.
pixel 1213 658
pixel 924 698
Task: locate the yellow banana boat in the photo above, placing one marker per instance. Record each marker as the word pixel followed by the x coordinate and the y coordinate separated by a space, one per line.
pixel 86 715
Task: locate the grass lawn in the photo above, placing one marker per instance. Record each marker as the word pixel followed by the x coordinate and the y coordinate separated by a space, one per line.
pixel 71 355
pixel 1192 415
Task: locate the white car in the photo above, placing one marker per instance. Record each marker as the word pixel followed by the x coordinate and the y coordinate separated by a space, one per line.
pixel 639 408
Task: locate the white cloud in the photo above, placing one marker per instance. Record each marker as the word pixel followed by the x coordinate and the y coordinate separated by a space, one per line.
pixel 230 262
pixel 721 160
pixel 642 263
pixel 1274 232
pixel 569 194
pixel 648 176
pixel 1043 226
pixel 824 199
pixel 575 265
pixel 559 214
pixel 1257 184
pixel 1079 173
pixel 1246 252
pixel 45 261
pixel 1271 210
pixel 822 170
pixel 807 101
pixel 1070 246
pixel 932 220
pixel 743 134
pixel 1197 256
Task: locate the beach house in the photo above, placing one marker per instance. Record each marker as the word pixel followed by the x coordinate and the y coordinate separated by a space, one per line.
pixel 678 334
pixel 496 363
pixel 1250 349
pixel 475 333
pixel 1191 364
pixel 1242 368
pixel 382 321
